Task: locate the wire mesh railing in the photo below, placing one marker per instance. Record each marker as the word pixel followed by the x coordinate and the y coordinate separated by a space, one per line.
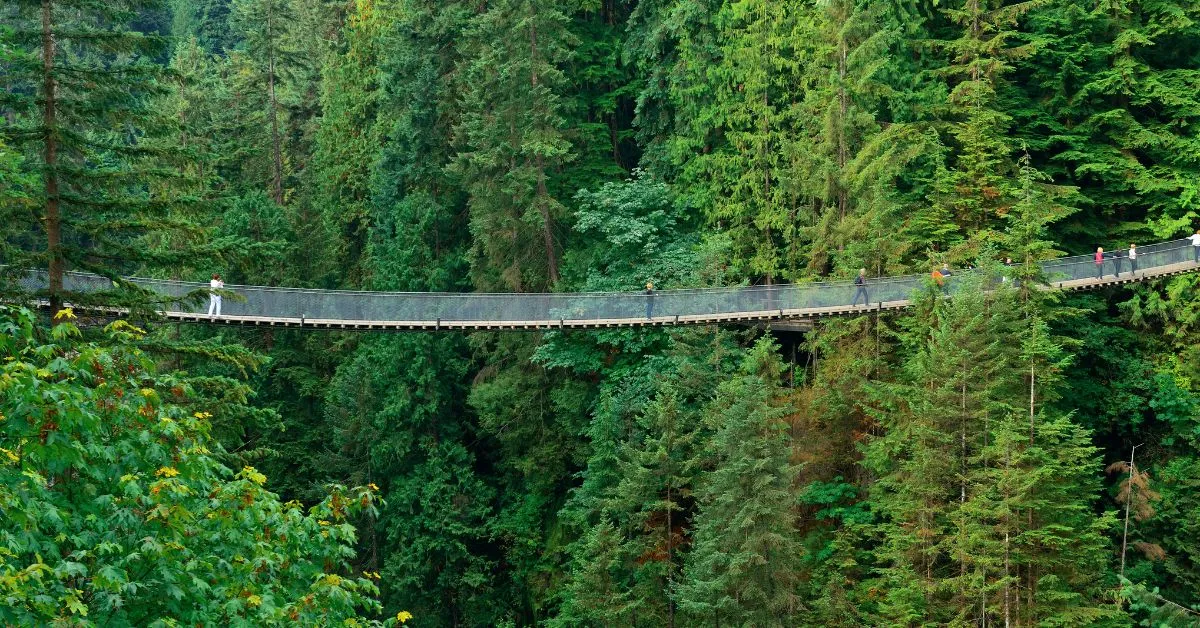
pixel 428 308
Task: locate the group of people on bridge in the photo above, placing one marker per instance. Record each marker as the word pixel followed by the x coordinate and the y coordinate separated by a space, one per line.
pixel 1115 257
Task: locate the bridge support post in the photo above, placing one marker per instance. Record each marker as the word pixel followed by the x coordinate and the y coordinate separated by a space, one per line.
pixel 560 323
pixel 438 325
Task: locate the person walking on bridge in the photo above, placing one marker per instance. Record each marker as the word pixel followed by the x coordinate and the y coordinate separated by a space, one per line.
pixel 649 300
pixel 942 276
pixel 214 299
pixel 1099 262
pixel 1196 246
pixel 1133 259
pixel 860 284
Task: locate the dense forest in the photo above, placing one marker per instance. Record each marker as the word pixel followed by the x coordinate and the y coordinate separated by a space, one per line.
pixel 1016 456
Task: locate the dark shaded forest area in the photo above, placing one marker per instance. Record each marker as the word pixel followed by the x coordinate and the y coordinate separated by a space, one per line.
pixel 965 462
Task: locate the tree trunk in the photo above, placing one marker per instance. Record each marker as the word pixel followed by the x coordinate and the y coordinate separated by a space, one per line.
pixel 52 219
pixel 670 548
pixel 542 192
pixel 843 198
pixel 276 149
pixel 1128 499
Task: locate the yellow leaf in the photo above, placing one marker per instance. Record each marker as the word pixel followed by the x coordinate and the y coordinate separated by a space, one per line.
pixel 252 474
pixel 167 472
pixel 202 415
pixel 147 392
pixel 66 313
pixel 403 616
pixel 254 600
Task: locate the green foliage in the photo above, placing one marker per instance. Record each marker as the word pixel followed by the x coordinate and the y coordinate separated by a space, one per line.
pixel 940 466
pixel 743 567
pixel 511 139
pixel 81 85
pixel 984 489
pixel 118 511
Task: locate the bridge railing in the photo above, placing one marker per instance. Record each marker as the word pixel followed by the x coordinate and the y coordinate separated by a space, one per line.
pixel 344 305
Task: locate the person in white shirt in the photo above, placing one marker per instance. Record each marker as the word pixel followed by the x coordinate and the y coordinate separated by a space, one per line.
pixel 1133 258
pixel 1196 245
pixel 214 299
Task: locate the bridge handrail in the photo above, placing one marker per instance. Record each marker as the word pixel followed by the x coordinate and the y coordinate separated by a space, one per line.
pixel 353 305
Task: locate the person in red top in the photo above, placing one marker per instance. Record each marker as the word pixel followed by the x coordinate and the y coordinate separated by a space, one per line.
pixel 1099 262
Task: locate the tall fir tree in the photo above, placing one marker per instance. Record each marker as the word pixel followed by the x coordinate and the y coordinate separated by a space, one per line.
pixel 734 157
pixel 974 190
pixel 511 139
pixel 80 88
pixel 263 27
pixel 744 564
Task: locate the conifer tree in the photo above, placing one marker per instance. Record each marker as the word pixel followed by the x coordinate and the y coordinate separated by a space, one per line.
pixel 975 189
pixel 1122 117
pixel 735 155
pixel 263 26
pixel 671 43
pixel 511 139
pixel 849 156
pixel 984 483
pixel 347 138
pixel 744 564
pixel 80 85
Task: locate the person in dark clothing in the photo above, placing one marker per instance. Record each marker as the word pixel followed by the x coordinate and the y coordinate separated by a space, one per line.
pixel 1115 256
pixel 860 284
pixel 649 300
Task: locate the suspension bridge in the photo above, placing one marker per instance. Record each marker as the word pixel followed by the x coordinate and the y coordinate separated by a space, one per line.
pixel 795 304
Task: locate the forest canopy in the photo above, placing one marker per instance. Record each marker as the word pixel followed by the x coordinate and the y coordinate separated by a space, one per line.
pixel 1009 454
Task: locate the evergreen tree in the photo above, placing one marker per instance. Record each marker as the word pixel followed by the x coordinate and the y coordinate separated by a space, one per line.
pixel 982 484
pixel 744 564
pixel 80 85
pixel 347 139
pixel 671 43
pixel 263 27
pixel 511 139
pixel 974 190
pixel 849 157
pixel 1120 114
pixel 735 157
